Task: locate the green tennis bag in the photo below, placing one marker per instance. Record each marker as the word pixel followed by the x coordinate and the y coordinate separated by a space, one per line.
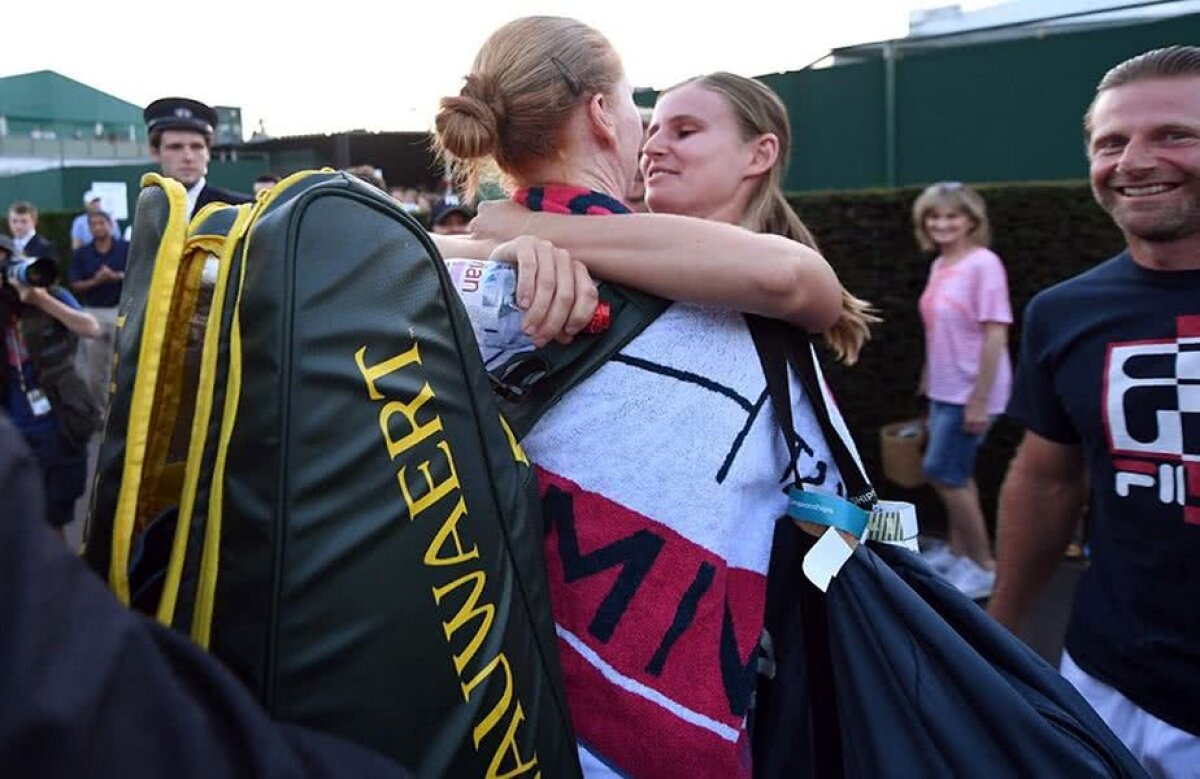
pixel 136 478
pixel 319 467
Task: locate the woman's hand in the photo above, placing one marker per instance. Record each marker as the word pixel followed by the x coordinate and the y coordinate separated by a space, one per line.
pixel 975 417
pixel 499 220
pixel 556 293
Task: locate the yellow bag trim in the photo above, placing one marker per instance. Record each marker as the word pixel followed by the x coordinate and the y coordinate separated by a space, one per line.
pixel 199 217
pixel 200 417
pixel 269 196
pixel 141 407
pixel 153 499
pixel 518 452
pixel 210 559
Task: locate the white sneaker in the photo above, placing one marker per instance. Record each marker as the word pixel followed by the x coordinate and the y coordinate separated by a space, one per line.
pixel 940 558
pixel 971 579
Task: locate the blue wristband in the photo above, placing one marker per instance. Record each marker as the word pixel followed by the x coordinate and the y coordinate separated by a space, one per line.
pixel 828 510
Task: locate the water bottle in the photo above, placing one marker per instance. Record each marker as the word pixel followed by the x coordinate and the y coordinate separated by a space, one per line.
pixel 488 290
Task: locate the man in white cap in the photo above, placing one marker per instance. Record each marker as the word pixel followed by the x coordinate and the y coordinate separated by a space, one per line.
pixel 81 234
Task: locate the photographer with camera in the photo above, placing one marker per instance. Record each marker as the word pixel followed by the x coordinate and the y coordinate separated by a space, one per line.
pixel 39 386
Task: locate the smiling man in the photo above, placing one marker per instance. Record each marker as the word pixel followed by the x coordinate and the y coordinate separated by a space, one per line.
pixel 181 133
pixel 1108 387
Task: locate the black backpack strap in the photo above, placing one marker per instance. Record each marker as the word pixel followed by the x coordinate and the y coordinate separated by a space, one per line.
pixel 859 489
pixel 772 354
pixel 779 345
pixel 530 383
pixel 772 337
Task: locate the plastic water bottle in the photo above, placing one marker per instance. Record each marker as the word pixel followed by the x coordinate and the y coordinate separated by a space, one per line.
pixel 488 290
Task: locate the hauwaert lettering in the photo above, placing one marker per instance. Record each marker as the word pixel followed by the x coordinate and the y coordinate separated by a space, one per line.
pixel 440 500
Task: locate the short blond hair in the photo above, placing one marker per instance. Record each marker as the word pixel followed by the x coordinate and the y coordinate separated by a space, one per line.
pixel 25 208
pixel 952 196
pixel 1167 62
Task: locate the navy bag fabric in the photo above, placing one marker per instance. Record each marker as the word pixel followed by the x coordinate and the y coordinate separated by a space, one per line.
pixel 89 688
pixel 895 673
pixel 924 683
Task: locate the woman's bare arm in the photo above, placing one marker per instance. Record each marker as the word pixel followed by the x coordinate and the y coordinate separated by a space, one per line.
pixel 463 247
pixel 686 259
pixel 995 342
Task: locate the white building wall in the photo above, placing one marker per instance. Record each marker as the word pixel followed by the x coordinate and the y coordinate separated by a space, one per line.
pixel 945 19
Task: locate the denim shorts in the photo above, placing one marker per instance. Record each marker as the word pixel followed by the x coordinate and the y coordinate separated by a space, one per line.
pixel 950 451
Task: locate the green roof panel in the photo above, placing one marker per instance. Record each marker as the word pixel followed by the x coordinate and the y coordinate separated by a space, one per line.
pixel 50 97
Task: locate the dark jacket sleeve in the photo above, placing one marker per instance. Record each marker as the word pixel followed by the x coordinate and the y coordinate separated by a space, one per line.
pixel 88 688
pixel 40 246
pixel 211 194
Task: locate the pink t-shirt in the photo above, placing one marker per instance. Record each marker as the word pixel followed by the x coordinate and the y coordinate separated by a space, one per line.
pixel 958 298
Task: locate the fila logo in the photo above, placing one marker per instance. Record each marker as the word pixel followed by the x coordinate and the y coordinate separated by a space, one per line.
pixel 1152 413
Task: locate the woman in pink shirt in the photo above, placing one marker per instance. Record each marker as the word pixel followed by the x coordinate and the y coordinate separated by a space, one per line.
pixel 967 374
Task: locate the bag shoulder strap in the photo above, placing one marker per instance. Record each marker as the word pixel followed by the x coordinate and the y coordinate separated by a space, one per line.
pixel 773 358
pixel 530 383
pixel 780 345
pixel 773 340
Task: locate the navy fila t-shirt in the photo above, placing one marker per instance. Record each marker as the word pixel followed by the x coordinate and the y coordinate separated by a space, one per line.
pixel 1110 360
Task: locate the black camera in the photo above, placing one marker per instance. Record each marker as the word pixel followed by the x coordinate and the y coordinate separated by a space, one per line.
pixel 30 271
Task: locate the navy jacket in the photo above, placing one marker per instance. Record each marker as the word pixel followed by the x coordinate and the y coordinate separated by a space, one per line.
pixel 211 194
pixel 89 688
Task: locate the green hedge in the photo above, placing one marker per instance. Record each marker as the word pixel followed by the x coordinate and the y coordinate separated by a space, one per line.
pixel 1044 233
pixel 56 226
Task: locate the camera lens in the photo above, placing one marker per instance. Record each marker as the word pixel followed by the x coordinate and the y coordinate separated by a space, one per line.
pixel 34 272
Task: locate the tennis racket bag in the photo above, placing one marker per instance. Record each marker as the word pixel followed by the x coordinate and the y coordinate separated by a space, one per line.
pixel 313 479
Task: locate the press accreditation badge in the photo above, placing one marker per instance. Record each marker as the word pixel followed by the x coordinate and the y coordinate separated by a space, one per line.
pixel 38 402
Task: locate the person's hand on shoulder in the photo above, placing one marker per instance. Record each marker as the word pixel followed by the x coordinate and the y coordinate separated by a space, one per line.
pixel 556 293
pixel 499 220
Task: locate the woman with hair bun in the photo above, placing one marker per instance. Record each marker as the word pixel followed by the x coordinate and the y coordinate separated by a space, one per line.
pixel 570 117
pixel 718 116
pixel 658 531
pixel 661 473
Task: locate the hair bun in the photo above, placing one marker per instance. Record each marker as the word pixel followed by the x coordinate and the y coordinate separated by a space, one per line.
pixel 468 126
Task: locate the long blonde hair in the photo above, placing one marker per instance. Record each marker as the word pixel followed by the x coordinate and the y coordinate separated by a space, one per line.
pixel 759 111
pixel 515 103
